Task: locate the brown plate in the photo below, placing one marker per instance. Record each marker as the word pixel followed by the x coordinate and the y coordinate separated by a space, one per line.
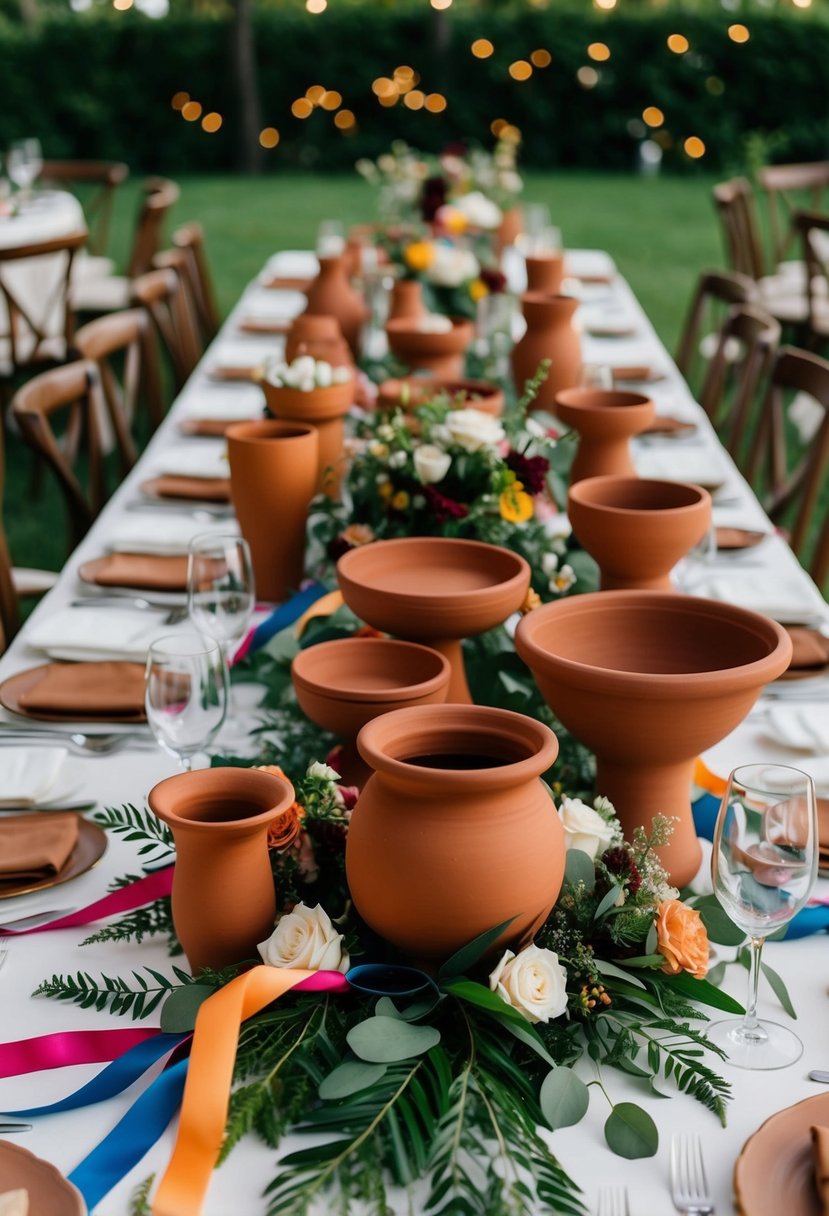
pixel 774 1172
pixel 664 424
pixel 208 428
pixel 640 374
pixel 252 373
pixel 12 689
pixel 198 489
pixel 141 571
pixel 261 325
pixel 286 283
pixel 91 846
pixel 49 1192
pixel 739 538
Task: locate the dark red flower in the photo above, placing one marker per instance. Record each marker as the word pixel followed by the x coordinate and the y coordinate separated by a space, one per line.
pixel 433 197
pixel 456 148
pixel 337 547
pixel 531 471
pixel 494 280
pixel 443 508
pixel 619 861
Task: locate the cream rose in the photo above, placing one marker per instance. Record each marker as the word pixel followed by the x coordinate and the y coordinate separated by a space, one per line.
pixel 533 982
pixel 452 266
pixel 431 463
pixel 473 429
pixel 479 210
pixel 305 938
pixel 584 828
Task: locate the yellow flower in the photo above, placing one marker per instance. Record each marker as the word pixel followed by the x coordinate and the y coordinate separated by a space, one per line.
pixel 419 255
pixel 453 220
pixel 515 505
pixel 531 600
pixel 401 500
pixel 478 289
pixel 385 489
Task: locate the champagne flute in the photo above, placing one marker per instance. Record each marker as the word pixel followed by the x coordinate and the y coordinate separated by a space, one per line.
pixel 764 865
pixel 185 695
pixel 220 588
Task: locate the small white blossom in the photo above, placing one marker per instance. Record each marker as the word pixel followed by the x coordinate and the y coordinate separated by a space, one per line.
pixel 397 459
pixel 324 771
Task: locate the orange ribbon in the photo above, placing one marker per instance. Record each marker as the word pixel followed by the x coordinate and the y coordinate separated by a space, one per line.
pixel 706 780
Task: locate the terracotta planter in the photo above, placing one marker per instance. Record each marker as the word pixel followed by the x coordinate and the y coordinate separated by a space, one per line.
pixel 320 337
pixel 434 590
pixel 273 475
pixel 637 529
pixel 545 272
pixel 605 419
pixel 510 228
pixel 442 355
pixel 410 391
pixel 342 685
pixel 649 680
pixel 224 902
pixel 406 300
pixel 439 852
pixel 551 335
pixel 332 295
pixel 324 409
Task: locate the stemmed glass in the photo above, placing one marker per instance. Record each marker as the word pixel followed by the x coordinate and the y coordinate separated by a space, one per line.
pixel 764 865
pixel 24 162
pixel 220 588
pixel 330 238
pixel 185 693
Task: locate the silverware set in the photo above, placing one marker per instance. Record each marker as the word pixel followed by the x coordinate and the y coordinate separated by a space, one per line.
pixel 78 742
pixel 690 1191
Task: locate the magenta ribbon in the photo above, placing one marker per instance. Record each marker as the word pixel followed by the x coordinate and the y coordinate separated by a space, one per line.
pixel 70 1047
pixel 145 891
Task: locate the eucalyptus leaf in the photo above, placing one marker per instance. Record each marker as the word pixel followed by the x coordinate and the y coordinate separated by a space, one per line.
pixel 579 868
pixel 383 1040
pixel 468 955
pixel 652 940
pixel 349 1078
pixel 386 1007
pixel 631 1132
pixel 178 1013
pixel 612 969
pixel 524 1032
pixel 779 989
pixel 608 901
pixel 702 991
pixel 564 1098
pixel 720 927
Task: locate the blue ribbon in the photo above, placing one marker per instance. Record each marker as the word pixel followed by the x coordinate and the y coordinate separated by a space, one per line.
pixel 286 614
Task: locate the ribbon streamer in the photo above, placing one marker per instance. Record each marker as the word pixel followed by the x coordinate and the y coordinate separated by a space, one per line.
pixel 145 891
pixel 280 619
pixel 70 1047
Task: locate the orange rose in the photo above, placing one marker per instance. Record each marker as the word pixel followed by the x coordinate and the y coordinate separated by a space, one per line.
pixel 286 827
pixel 682 939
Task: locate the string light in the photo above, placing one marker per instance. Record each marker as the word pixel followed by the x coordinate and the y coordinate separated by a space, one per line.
pixel 738 32
pixel 482 48
pixel 441 4
pixel 520 70
pixel 415 100
pixel 587 77
pixel 345 120
pixel 316 6
pixel 678 43
pixel 331 100
pixel 435 103
pixel 180 100
pixel 694 147
pixel 605 4
pixel 269 137
pixel 211 122
pixel 191 111
pixel 599 51
pixel 384 87
pixel 122 5
pixel 315 94
pixel 541 58
pixel 301 108
pixel 497 125
pixel 653 116
pixel 802 3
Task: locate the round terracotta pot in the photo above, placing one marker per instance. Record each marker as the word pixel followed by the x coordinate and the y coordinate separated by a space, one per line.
pixel 343 684
pixel 324 409
pixel 224 902
pixel 545 272
pixel 436 590
pixel 605 419
pixel 320 337
pixel 550 334
pixel 444 848
pixel 510 228
pixel 637 529
pixel 408 392
pixel 332 295
pixel 442 355
pixel 273 476
pixel 649 680
pixel 406 300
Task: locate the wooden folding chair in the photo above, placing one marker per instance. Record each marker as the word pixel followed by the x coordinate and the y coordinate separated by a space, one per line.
pixel 164 295
pixel 788 189
pixel 190 238
pixel 746 344
pixel 125 350
pixel 716 291
pixel 813 230
pixel 39 323
pixel 16 583
pixel 95 183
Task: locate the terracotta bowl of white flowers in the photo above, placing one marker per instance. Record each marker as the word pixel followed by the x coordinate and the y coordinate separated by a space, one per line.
pixel 311 391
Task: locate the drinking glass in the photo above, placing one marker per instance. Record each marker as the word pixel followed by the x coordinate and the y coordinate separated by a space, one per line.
pixel 493 332
pixel 696 567
pixel 185 693
pixel 330 238
pixel 24 162
pixel 220 588
pixel 764 865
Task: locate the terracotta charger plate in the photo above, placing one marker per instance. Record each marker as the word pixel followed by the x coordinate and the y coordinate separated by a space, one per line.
pixel 286 283
pixel 234 373
pixel 12 689
pixel 739 538
pixel 91 846
pixel 137 571
pixel 196 489
pixel 49 1192
pixel 262 325
pixel 207 428
pixel 774 1173
pixel 665 424
pixel 639 374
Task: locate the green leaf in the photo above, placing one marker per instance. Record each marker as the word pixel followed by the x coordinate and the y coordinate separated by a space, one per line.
pixel 631 1132
pixel 613 969
pixel 716 974
pixel 524 1032
pixel 700 990
pixel 608 902
pixel 564 1098
pixel 578 868
pixel 468 955
pixel 652 940
pixel 484 998
pixel 178 1013
pixel 381 1040
pixel 779 989
pixel 349 1078
pixel 719 926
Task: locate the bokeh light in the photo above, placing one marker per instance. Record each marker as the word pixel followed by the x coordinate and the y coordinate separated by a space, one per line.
pixel 191 112
pixel 415 100
pixel 497 125
pixel 653 116
pixel 738 32
pixel 520 70
pixel 331 100
pixel 345 120
pixel 301 108
pixel 541 58
pixel 315 94
pixel 435 103
pixel 607 5
pixel 482 48
pixel 180 100
pixel 694 147
pixel 678 43
pixel 441 4
pixel 316 6
pixel 269 137
pixel 715 86
pixel 587 77
pixel 211 122
pixel 599 51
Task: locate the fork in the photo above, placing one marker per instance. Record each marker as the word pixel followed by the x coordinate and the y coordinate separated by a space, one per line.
pixel 175 612
pixel 689 1185
pixel 613 1201
pixel 78 743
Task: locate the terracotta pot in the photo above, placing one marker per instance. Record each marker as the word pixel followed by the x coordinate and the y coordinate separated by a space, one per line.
pixel 411 391
pixel 442 355
pixel 439 853
pixel 510 228
pixel 550 335
pixel 436 590
pixel 605 420
pixel 637 529
pixel 407 300
pixel 320 337
pixel 545 272
pixel 649 680
pixel 224 902
pixel 324 409
pixel 332 295
pixel 273 475
pixel 343 684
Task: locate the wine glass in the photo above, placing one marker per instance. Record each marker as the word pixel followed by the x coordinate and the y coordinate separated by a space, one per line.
pixel 764 865
pixel 692 570
pixel 493 330
pixel 185 693
pixel 220 588
pixel 24 162
pixel 330 238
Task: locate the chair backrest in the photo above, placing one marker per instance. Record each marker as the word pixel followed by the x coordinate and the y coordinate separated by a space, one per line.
pixel 9 603
pixel 124 347
pixel 734 202
pixel 813 230
pixel 789 188
pixel 164 294
pixel 716 291
pixel 35 327
pixel 159 196
pixel 95 183
pixel 190 238
pixel 746 344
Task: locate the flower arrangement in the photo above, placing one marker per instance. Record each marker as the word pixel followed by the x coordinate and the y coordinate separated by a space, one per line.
pixel 304 373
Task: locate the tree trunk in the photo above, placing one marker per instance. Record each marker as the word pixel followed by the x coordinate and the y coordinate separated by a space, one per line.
pixel 247 88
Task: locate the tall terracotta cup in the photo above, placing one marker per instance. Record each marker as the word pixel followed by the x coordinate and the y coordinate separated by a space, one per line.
pixel 332 295
pixel 324 409
pixel 273 476
pixel 545 272
pixel 407 300
pixel 550 335
pixel 320 337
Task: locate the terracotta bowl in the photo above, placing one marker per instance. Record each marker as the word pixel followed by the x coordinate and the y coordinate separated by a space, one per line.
pixel 442 354
pixel 605 420
pixel 649 680
pixel 637 529
pixel 435 590
pixel 411 391
pixel 317 405
pixel 320 336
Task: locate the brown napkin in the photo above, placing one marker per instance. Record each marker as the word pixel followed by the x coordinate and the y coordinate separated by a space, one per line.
pixel 35 847
pixel 633 373
pixel 810 654
pixel 146 572
pixel 738 538
pixel 87 689
pixel 235 373
pixel 820 1151
pixel 663 424
pixel 261 325
pixel 286 283
pixel 204 489
pixel 207 428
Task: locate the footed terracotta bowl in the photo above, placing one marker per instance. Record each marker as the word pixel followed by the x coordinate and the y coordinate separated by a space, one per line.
pixel 442 354
pixel 605 419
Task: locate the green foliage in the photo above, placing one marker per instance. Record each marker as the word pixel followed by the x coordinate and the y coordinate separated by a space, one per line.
pixel 631 1132
pixel 140 1198
pixel 113 992
pixel 140 827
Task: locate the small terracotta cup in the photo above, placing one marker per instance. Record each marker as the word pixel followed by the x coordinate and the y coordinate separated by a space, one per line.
pixel 320 337
pixel 440 354
pixel 605 419
pixel 545 272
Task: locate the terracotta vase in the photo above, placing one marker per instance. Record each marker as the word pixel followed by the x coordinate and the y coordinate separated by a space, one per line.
pixel 332 295
pixel 407 300
pixel 550 334
pixel 343 684
pixel 637 529
pixel 273 475
pixel 605 419
pixel 510 228
pixel 324 409
pixel 436 590
pixel 320 337
pixel 455 833
pixel 224 902
pixel 442 355
pixel 545 272
pixel 408 392
pixel 649 680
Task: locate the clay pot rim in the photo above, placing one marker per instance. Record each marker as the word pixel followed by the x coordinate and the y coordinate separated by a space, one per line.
pixel 408 327
pixel 447 721
pixel 547 297
pixel 655 685
pixel 372 695
pixel 611 399
pixel 265 429
pixel 552 256
pixel 249 779
pixel 578 491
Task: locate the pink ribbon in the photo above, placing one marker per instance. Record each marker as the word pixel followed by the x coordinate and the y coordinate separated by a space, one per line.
pixel 145 891
pixel 69 1047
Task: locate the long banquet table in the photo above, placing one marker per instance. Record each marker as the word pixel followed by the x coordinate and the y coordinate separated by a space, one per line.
pixel 126 777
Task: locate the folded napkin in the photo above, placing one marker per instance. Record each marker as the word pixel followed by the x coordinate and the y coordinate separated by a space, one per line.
pixel 170 534
pixel 144 573
pixel 265 325
pixel 200 489
pixel 281 282
pixel 637 372
pixel 269 305
pixel 296 263
pixel 98 633
pixel 701 467
pixel 810 654
pixel 802 729
pixel 665 424
pixel 199 460
pixel 35 848
pixel 590 265
pixel 783 599
pixel 820 1152
pixel 27 774
pixel 729 539
pixel 87 689
pixel 240 403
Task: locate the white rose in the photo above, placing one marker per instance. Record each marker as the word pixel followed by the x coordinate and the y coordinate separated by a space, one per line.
pixel 479 210
pixel 584 828
pixel 434 323
pixel 304 367
pixel 431 464
pixel 473 429
pixel 317 769
pixel 324 374
pixel 452 266
pixel 533 982
pixel 305 938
